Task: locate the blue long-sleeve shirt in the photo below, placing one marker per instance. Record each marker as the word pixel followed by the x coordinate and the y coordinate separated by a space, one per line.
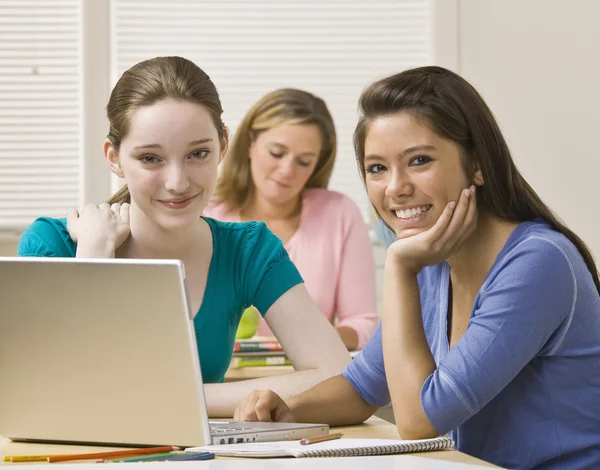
pixel 521 388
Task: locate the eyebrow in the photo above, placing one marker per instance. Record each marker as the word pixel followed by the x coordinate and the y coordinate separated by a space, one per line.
pixel 158 146
pixel 409 150
pixel 305 154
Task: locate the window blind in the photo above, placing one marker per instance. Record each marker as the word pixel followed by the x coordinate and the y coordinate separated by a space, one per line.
pixel 40 110
pixel 332 48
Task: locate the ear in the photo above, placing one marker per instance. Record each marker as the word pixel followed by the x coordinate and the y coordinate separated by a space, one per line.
pixel 112 159
pixel 224 144
pixel 477 176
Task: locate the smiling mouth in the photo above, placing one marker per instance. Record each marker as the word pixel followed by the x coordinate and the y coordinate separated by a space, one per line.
pixel 415 212
pixel 178 203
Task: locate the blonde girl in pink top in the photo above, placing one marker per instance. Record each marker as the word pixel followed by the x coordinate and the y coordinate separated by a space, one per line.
pixel 277 170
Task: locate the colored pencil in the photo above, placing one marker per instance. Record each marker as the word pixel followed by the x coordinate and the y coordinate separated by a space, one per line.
pixel 323 438
pixel 27 458
pixel 141 459
pixel 118 453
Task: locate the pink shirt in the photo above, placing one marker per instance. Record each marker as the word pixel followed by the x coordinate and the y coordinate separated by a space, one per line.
pixel 333 253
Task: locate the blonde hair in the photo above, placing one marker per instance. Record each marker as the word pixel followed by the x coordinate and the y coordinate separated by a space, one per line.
pixel 151 81
pixel 284 106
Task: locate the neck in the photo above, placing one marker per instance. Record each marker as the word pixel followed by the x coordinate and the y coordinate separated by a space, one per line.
pixel 259 208
pixel 470 265
pixel 149 240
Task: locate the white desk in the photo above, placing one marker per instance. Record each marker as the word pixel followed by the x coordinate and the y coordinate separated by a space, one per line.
pixel 373 428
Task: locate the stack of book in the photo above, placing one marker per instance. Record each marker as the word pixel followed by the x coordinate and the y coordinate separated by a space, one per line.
pixel 258 352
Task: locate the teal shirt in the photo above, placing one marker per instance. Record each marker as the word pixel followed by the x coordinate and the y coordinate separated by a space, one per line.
pixel 249 266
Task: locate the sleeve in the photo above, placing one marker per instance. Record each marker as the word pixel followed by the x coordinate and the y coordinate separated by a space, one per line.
pixel 46 238
pixel 356 297
pixel 366 372
pixel 269 272
pixel 523 311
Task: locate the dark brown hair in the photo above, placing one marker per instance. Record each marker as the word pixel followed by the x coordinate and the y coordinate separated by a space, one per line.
pixel 151 81
pixel 454 110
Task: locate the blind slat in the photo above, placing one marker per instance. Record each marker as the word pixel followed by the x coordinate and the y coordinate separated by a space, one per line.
pixel 40 110
pixel 333 49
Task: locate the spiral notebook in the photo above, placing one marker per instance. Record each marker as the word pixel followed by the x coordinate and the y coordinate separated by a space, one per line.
pixel 336 448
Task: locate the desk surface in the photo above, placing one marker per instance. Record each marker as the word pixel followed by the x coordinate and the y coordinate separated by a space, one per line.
pixel 372 428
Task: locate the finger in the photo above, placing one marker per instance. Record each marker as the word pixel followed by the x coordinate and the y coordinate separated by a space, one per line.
pixel 124 213
pixel 441 224
pixel 105 208
pixel 263 409
pixel 470 223
pixel 72 213
pixel 283 414
pixel 454 228
pixel 116 209
pixel 247 412
pixel 72 222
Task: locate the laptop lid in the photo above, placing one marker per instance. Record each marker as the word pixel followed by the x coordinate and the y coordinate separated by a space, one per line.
pixel 99 351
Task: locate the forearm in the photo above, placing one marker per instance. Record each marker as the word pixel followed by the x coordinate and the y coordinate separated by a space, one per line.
pixel 407 357
pixel 334 401
pixel 223 398
pixel 348 336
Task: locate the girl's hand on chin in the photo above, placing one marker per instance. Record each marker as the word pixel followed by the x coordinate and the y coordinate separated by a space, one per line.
pixel 99 225
pixel 436 244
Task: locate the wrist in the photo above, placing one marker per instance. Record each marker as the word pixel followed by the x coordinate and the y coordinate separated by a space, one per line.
pixel 400 266
pixel 295 407
pixel 103 247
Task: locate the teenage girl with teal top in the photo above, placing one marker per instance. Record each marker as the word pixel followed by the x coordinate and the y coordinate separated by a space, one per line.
pixel 166 140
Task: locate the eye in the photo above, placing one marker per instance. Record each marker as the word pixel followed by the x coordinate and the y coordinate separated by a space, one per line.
pixel 419 160
pixel 275 154
pixel 303 163
pixel 199 154
pixel 149 159
pixel 375 168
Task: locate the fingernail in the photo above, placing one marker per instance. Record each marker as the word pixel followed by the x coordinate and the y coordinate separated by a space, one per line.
pixel 472 189
pixel 452 204
pixel 466 192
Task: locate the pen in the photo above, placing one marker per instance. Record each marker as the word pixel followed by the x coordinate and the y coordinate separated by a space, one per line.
pixel 323 438
pixel 118 453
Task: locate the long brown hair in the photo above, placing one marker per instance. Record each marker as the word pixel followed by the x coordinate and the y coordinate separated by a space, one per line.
pixel 284 106
pixel 454 110
pixel 151 81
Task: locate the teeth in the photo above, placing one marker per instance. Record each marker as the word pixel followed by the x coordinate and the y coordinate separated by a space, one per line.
pixel 412 213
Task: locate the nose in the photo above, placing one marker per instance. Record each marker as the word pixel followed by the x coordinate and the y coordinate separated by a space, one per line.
pixel 177 180
pixel 286 167
pixel 399 185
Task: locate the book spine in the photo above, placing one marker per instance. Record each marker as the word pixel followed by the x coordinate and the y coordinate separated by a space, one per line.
pixel 259 361
pixel 255 347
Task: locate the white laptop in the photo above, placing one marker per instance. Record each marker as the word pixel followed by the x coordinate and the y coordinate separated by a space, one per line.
pixel 104 351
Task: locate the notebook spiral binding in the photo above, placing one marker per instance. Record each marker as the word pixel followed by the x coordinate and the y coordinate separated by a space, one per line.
pixel 434 444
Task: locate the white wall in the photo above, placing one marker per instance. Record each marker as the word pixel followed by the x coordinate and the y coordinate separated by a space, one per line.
pixel 537 64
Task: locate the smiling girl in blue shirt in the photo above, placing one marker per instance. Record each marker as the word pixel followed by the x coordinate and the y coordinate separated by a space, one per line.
pixel 490 324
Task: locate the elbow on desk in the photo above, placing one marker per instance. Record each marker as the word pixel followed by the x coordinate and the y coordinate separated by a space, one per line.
pixel 415 429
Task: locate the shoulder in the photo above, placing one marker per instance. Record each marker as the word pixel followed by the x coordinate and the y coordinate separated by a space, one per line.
pixel 221 210
pixel 323 206
pixel 47 236
pixel 245 236
pixel 320 198
pixel 536 251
